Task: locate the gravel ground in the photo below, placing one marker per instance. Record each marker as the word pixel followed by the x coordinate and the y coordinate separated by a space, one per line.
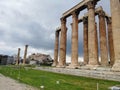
pixel 7 83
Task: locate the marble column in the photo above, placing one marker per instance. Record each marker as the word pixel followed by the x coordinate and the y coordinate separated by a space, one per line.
pixel 85 40
pixel 18 57
pixel 56 48
pixel 63 37
pixel 74 44
pixel 93 60
pixel 115 12
pixel 110 41
pixel 25 54
pixel 96 41
pixel 103 39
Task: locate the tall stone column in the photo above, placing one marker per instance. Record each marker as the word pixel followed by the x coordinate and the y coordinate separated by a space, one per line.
pixel 74 46
pixel 115 11
pixel 110 41
pixel 103 39
pixel 63 37
pixel 56 48
pixel 85 40
pixel 93 60
pixel 18 57
pixel 96 41
pixel 25 54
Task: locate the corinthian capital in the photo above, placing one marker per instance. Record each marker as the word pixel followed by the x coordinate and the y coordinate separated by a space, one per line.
pixel 75 14
pixel 63 20
pixel 91 5
pixel 85 20
pixel 109 20
pixel 101 13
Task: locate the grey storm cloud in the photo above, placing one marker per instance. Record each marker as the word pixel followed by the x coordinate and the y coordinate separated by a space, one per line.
pixel 34 22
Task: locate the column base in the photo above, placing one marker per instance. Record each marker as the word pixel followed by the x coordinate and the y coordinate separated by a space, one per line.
pixel 85 63
pixel 91 67
pixel 23 64
pixel 54 64
pixel 60 66
pixel 116 66
pixel 105 65
pixel 73 66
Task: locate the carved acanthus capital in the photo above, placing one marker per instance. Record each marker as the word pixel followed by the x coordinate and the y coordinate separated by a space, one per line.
pixel 109 21
pixel 19 49
pixel 26 46
pixel 58 29
pixel 91 5
pixel 85 20
pixel 57 33
pixel 101 13
pixel 63 20
pixel 75 14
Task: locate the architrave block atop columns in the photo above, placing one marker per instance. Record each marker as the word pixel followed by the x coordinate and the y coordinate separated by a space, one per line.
pixel 80 6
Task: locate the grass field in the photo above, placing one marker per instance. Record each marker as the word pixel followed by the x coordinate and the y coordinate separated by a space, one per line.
pixel 54 81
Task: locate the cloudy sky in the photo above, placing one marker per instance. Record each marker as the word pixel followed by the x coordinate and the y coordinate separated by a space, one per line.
pixel 33 22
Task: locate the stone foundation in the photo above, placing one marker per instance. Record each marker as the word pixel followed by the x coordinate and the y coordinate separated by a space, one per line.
pixel 99 72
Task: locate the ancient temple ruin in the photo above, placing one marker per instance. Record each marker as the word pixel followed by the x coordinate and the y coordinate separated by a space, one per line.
pixel 90 38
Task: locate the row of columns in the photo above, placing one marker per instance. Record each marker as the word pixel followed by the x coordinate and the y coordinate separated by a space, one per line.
pixel 90 38
pixel 103 40
pixel 93 57
pixel 25 55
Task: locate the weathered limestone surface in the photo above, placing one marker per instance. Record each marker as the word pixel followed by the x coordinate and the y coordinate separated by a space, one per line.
pixel 93 60
pixel 103 39
pixel 25 54
pixel 18 56
pixel 96 41
pixel 85 40
pixel 62 55
pixel 110 41
pixel 100 73
pixel 56 48
pixel 115 11
pixel 74 48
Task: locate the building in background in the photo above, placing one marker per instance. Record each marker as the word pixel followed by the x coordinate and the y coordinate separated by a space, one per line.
pixel 6 60
pixel 40 59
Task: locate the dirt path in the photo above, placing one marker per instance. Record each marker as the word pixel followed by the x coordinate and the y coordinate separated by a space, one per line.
pixel 7 83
